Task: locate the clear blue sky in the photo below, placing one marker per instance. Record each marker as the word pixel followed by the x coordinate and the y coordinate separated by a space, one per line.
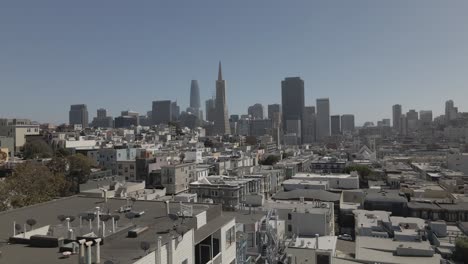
pixel 363 55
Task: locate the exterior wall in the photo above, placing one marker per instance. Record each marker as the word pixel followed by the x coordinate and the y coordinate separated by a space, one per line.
pixel 194 156
pixel 22 131
pixel 177 178
pixel 184 250
pixel 228 251
pixel 126 154
pixel 18 129
pixel 8 145
pixel 334 182
pixel 201 219
pixel 108 159
pixel 127 169
pixel 309 224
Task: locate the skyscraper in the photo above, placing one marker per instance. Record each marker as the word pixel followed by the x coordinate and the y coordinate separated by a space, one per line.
pixel 292 100
pixel 256 111
pixel 78 115
pixel 102 120
pixel 309 124
pixel 347 123
pixel 194 95
pixel 272 109
pixel 221 122
pixel 210 110
pixel 195 107
pixel 335 121
pixel 323 118
pixel 451 112
pixel 412 119
pixel 425 116
pixel 101 113
pixel 162 112
pixel 397 111
pixel 175 109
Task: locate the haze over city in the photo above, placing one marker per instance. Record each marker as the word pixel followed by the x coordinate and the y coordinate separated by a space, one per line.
pixel 363 55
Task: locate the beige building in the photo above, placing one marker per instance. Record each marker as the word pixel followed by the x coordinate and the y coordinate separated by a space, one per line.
pixel 18 129
pixel 177 177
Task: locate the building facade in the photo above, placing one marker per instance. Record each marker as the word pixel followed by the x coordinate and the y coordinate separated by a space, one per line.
pixel 323 118
pixel 78 115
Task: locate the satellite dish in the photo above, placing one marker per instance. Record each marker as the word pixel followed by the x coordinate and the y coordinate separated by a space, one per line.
pixel 181 230
pixel 130 215
pixel 173 217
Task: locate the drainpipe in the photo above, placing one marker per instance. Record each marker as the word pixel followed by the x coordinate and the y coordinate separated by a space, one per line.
pixel 14 228
pixel 68 223
pixel 113 225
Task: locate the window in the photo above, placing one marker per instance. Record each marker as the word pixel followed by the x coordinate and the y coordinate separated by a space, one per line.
pixel 289 228
pixel 230 236
pixel 289 216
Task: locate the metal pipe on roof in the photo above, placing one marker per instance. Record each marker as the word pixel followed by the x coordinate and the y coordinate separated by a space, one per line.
pixel 98 250
pixel 98 218
pixel 88 252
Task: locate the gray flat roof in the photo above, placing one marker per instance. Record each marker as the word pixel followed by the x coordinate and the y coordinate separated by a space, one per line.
pixel 117 246
pixel 381 250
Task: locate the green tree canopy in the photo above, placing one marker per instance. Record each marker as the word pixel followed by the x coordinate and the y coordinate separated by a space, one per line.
pixel 461 249
pixel 29 184
pixel 270 160
pixel 362 170
pixel 79 167
pixel 37 149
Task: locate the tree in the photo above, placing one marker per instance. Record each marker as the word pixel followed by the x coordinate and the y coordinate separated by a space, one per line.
pixel 79 169
pixel 37 149
pixel 57 165
pixel 208 143
pixel 62 152
pixel 270 160
pixel 362 170
pixel 32 183
pixel 461 249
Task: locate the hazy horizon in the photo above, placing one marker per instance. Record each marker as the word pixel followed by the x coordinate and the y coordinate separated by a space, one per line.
pixel 363 55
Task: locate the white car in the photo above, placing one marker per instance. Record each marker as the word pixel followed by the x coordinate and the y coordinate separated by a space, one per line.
pixel 345 237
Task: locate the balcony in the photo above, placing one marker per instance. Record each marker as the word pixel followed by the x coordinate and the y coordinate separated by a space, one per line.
pixel 218 259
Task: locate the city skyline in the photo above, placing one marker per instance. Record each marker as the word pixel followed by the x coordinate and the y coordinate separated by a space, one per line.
pixel 109 55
